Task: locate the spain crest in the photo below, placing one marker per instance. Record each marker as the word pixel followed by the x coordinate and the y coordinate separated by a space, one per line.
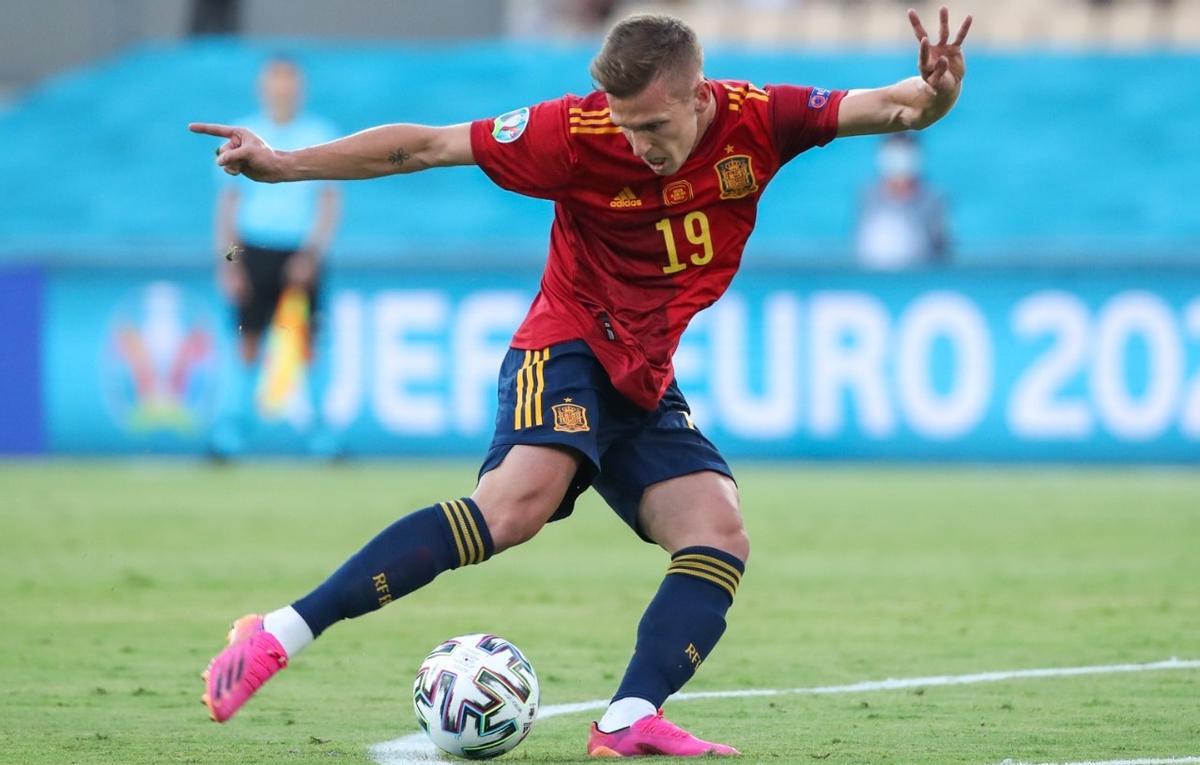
pixel 736 175
pixel 570 418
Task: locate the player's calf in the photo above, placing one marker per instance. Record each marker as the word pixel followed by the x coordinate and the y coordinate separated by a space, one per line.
pixel 403 557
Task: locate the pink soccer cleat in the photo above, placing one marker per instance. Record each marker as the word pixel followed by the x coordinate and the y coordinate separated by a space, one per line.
pixel 251 658
pixel 653 734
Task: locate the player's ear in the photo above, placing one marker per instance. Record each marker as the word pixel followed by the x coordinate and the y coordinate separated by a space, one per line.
pixel 702 95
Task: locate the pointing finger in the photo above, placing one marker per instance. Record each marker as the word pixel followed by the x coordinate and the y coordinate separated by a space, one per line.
pixel 962 31
pixel 944 17
pixel 915 20
pixel 209 128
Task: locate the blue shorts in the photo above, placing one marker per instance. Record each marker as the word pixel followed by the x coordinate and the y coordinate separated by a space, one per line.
pixel 562 396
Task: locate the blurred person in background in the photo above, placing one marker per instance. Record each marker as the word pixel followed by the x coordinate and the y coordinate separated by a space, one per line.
pixel 901 220
pixel 270 243
pixel 656 178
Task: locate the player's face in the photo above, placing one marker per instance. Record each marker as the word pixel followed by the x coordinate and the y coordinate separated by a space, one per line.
pixel 662 125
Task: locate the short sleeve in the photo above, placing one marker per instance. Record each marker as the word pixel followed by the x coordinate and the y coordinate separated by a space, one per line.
pixel 803 117
pixel 527 150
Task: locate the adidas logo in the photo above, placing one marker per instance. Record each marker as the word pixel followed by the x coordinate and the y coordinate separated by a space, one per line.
pixel 625 198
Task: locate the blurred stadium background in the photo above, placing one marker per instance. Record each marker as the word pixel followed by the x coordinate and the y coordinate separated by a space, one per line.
pixel 1065 327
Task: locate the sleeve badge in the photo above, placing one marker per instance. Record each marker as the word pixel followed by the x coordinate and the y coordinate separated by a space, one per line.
pixel 509 127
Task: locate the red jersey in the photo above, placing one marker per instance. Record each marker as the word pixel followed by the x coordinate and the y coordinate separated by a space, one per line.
pixel 634 256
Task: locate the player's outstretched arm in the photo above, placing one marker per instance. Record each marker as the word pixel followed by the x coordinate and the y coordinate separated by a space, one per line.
pixel 378 151
pixel 917 102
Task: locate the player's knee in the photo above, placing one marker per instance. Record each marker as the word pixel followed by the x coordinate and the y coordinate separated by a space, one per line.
pixel 731 539
pixel 509 529
pixel 730 536
pixel 722 524
pixel 515 518
pixel 728 528
pixel 719 525
pixel 736 542
pixel 521 495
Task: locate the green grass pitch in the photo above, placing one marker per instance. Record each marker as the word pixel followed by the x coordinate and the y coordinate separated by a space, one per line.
pixel 118 580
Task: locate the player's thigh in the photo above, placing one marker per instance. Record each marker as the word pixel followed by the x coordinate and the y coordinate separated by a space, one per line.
pixel 519 495
pixel 549 434
pixel 697 509
pixel 670 484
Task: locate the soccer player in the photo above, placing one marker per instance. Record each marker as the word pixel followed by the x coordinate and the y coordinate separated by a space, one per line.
pixel 656 177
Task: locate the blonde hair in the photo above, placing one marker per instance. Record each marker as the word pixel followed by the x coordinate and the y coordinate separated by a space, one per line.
pixel 643 47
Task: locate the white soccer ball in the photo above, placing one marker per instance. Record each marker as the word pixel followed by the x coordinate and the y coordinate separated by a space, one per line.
pixel 476 696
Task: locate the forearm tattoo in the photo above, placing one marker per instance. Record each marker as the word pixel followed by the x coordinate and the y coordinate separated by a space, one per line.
pixel 399 157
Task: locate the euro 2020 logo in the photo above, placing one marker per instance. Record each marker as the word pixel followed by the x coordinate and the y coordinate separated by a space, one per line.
pixel 159 362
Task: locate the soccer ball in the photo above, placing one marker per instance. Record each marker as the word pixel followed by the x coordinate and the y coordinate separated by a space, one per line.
pixel 476 696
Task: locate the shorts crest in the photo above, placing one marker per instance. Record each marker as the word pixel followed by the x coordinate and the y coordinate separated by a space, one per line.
pixel 570 418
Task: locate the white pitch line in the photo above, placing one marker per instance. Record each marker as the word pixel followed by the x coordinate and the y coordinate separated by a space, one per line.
pixel 416 748
pixel 1151 761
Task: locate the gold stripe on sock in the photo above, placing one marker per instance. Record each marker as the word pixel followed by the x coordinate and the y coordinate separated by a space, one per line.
pixel 464 525
pixel 462 557
pixel 474 549
pixel 475 541
pixel 722 583
pixel 693 567
pixel 703 564
pixel 708 559
pixel 464 528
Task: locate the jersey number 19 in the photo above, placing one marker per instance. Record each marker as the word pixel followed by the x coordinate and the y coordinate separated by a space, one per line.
pixel 695 228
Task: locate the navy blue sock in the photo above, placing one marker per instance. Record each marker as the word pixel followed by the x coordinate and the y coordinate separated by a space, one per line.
pixel 404 557
pixel 682 624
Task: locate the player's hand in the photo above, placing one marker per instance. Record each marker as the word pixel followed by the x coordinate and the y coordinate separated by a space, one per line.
pixel 941 64
pixel 243 152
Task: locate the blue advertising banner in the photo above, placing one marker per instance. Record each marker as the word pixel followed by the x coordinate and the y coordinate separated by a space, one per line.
pixel 132 360
pixel 21 361
pixel 997 365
